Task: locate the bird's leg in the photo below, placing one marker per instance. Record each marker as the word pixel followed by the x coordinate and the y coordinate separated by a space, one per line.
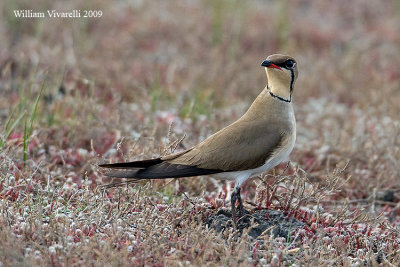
pixel 241 208
pixel 236 196
pixel 233 205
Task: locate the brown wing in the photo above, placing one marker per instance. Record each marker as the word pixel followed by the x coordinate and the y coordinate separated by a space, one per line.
pixel 234 148
pixel 240 146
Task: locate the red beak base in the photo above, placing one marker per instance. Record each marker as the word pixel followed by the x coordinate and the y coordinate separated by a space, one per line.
pixel 273 66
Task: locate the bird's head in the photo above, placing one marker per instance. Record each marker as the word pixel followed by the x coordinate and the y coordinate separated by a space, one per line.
pixel 282 73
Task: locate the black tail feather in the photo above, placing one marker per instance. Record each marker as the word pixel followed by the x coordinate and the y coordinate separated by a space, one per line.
pixel 122 174
pixel 140 164
pixel 162 170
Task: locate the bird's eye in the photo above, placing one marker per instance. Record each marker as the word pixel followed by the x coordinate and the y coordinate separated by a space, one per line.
pixel 290 63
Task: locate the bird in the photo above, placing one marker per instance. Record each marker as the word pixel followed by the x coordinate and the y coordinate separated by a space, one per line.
pixel 255 143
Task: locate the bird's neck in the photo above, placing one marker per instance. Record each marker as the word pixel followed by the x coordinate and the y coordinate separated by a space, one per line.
pixel 280 88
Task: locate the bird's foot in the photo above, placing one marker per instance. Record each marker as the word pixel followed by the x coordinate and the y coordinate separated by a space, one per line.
pixel 240 207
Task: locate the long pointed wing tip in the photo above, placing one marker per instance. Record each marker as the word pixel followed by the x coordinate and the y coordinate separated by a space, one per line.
pixel 105 165
pixel 140 164
pixel 118 165
pixel 121 174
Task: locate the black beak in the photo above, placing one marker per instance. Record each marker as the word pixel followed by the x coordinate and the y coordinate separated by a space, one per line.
pixel 266 63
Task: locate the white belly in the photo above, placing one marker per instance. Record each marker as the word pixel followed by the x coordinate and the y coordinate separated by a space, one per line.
pixel 279 156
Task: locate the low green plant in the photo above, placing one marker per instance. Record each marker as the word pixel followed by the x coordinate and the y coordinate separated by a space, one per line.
pixel 29 121
pixel 10 126
pixel 20 113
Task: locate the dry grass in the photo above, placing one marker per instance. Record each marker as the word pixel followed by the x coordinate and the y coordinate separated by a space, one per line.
pixel 127 85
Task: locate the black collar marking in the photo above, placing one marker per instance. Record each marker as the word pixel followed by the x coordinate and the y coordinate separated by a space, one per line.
pixel 278 97
pixel 291 89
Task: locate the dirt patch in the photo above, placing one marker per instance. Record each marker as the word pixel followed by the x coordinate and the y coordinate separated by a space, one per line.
pixel 273 222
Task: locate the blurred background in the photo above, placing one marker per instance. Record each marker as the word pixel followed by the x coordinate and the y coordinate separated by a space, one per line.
pixel 128 85
pixel 153 71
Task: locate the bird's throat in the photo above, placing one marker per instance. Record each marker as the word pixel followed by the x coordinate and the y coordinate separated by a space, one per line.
pixel 279 88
